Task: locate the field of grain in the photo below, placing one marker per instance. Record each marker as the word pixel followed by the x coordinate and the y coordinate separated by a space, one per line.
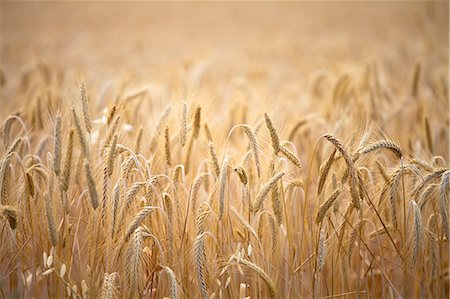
pixel 224 150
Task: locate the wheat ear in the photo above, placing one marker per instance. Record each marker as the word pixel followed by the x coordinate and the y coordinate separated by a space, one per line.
pixel 115 207
pixel 326 205
pixel 273 134
pixel 433 244
pixel 386 144
pixel 80 133
pixel 202 214
pixel 172 281
pixel 214 158
pixel 57 145
pixel 133 265
pixel 67 168
pixel 244 223
pixel 109 290
pixel 290 156
pixel 265 190
pixel 260 272
pixel 195 189
pixel 443 202
pixel 110 135
pixel 168 207
pixel 197 123
pixel 322 251
pixel 167 146
pixel 276 202
pixel 85 105
pixel 50 219
pixel 324 172
pixel 144 212
pixel 183 129
pixel 137 146
pixel 91 184
pixel 11 214
pixel 4 178
pixel 351 168
pixel 253 145
pixel 200 260
pixel 223 182
pixel 417 234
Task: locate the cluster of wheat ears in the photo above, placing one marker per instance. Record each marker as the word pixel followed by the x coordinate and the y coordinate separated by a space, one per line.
pixel 98 199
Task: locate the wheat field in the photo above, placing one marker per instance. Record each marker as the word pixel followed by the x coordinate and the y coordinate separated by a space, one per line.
pixel 224 150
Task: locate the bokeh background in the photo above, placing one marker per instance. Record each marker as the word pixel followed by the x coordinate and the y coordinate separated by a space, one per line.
pixel 290 40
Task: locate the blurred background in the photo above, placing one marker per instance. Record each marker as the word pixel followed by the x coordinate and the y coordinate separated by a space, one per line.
pixel 240 39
